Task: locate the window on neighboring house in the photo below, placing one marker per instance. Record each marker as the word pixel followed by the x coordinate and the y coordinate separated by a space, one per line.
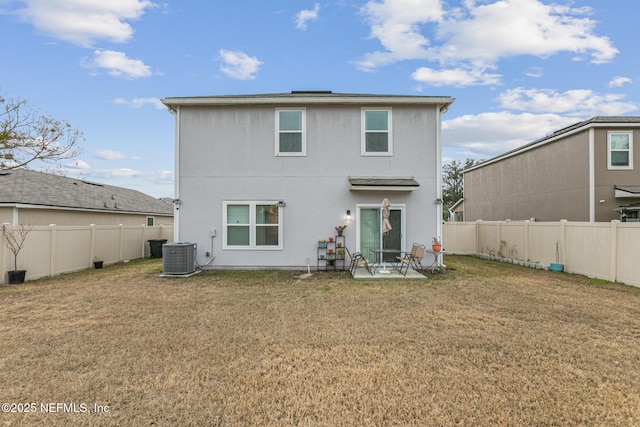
pixel 290 133
pixel 150 221
pixel 252 225
pixel 376 132
pixel 620 150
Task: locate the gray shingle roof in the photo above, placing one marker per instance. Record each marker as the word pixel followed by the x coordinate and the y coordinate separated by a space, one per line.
pixel 21 186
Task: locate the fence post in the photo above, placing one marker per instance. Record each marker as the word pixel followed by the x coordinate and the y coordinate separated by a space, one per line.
pixel 121 256
pixel 52 249
pixel 526 241
pixel 3 255
pixel 92 244
pixel 477 228
pixel 144 234
pixel 613 266
pixel 563 242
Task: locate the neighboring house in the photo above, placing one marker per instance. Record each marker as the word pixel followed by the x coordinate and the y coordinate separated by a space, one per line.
pixel 35 198
pixel 261 178
pixel 456 212
pixel 584 172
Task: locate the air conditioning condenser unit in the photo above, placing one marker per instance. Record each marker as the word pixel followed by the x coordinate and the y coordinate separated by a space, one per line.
pixel 178 258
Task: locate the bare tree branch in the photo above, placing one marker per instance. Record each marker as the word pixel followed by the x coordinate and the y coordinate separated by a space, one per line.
pixel 27 136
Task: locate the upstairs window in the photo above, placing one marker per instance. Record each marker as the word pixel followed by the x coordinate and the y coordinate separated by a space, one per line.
pixel 291 133
pixel 620 150
pixel 376 132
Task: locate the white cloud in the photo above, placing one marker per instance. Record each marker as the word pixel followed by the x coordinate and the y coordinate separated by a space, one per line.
pixel 475 37
pixel 528 114
pixel 82 22
pixel 140 102
pixel 239 65
pixel 580 102
pixel 534 73
pixel 117 64
pixel 106 154
pixel 396 24
pixel 619 81
pixel 79 164
pixel 154 176
pixel 521 27
pixel 487 135
pixel 304 16
pixel 455 77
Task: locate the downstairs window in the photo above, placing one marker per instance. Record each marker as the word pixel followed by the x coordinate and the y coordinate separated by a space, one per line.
pixel 252 225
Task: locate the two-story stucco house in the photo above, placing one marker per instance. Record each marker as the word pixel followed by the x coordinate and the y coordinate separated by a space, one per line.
pixel 261 178
pixel 584 172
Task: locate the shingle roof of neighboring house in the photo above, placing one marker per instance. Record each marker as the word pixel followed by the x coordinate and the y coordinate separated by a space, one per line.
pixel 21 186
pixel 598 121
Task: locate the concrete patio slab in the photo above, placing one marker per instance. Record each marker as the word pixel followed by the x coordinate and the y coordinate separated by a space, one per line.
pixel 361 273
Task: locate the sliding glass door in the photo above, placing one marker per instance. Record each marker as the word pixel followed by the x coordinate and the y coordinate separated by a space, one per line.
pixel 370 231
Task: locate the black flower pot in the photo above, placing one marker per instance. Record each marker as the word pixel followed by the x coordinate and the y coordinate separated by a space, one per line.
pixel 97 264
pixel 17 276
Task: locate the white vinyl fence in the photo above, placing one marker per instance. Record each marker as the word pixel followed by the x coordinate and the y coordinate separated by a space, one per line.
pixel 601 250
pixel 52 250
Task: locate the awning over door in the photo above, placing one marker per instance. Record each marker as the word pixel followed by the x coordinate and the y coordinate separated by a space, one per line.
pixel 383 184
pixel 627 192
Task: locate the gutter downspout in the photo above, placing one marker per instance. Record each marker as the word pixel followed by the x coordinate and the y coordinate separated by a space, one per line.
pixel 176 180
pixel 592 176
pixel 439 112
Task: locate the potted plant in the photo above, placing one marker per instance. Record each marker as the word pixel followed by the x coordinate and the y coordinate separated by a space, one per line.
pixel 556 266
pixel 436 245
pixel 322 243
pixel 340 229
pixel 14 239
pixel 340 253
pixel 97 262
pixel 330 239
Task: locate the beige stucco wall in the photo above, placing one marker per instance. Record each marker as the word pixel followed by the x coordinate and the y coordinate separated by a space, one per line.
pixel 548 183
pixel 606 180
pixel 67 217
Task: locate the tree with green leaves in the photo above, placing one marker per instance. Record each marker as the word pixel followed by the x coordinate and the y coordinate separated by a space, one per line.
pixel 452 182
pixel 27 136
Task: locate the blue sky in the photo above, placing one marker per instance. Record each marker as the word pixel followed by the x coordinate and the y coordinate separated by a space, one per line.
pixel 519 69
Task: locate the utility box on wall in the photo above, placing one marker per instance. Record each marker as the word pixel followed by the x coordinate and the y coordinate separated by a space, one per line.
pixel 179 258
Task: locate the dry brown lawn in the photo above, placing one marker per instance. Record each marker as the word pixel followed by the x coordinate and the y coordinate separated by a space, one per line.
pixel 485 344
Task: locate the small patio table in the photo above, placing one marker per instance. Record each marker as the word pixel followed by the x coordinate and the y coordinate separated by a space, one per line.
pixel 437 263
pixel 379 256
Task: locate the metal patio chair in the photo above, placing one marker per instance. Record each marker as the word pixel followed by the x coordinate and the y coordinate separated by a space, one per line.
pixel 411 259
pixel 357 260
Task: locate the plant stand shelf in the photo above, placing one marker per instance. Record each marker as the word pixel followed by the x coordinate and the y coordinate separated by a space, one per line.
pixel 331 255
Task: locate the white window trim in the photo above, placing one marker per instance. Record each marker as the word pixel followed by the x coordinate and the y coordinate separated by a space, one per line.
pixel 252 225
pixel 363 138
pixel 304 133
pixel 609 165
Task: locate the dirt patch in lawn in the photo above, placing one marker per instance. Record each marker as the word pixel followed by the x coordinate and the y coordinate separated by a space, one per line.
pixel 485 344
